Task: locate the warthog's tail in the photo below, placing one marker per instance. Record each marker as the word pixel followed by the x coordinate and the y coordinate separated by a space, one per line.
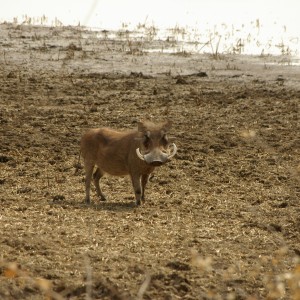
pixel 77 165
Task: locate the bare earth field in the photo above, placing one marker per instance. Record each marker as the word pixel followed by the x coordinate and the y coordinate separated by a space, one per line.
pixel 220 221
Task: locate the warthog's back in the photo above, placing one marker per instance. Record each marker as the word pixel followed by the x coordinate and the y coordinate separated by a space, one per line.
pixel 109 149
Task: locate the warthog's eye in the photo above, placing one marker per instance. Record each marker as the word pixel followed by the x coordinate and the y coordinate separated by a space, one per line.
pixel 146 141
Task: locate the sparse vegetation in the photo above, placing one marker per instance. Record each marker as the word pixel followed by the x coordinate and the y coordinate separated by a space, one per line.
pixel 222 39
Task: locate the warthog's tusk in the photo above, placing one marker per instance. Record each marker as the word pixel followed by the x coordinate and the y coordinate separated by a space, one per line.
pixel 173 152
pixel 139 154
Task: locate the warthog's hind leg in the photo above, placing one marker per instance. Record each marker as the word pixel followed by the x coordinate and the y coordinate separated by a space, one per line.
pixel 97 176
pixel 88 177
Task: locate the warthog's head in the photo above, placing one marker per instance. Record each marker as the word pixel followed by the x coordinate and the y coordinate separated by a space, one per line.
pixel 155 148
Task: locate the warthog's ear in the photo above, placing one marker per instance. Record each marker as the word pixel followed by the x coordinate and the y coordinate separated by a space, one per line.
pixel 142 126
pixel 167 125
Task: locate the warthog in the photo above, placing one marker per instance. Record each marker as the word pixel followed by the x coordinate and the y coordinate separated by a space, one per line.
pixel 135 153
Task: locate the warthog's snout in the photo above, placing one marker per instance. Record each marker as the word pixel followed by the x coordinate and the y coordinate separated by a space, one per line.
pixel 157 157
pixel 156 163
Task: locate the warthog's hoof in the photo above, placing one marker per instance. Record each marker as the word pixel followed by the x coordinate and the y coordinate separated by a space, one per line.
pixel 102 198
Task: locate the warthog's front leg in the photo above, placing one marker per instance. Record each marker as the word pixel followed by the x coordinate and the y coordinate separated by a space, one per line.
pixel 144 181
pixel 136 183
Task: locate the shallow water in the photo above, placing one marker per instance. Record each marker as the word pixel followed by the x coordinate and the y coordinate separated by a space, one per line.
pixel 216 40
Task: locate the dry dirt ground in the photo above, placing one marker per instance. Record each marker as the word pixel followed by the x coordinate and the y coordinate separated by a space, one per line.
pixel 221 220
